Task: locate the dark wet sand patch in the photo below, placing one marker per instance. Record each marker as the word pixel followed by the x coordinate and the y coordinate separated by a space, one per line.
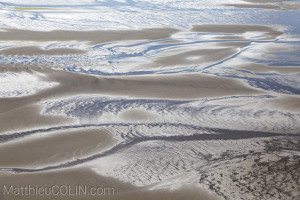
pixel 103 36
pixel 171 42
pixel 264 1
pixel 138 115
pixel 93 37
pixel 290 5
pixel 33 8
pixel 284 103
pixel 264 68
pixel 269 33
pixel 55 147
pixel 230 37
pixel 232 44
pixel 280 48
pixel 263 6
pixel 34 50
pixel 23 115
pixel 268 4
pixel 196 57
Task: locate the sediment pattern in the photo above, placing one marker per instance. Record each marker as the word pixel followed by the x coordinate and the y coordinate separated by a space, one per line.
pixel 163 97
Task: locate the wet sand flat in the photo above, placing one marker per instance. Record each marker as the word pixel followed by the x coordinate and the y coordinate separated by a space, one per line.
pixel 56 147
pixel 93 37
pixel 33 50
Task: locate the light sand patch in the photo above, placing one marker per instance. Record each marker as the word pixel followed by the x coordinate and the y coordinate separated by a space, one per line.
pixel 24 112
pixel 138 115
pixel 21 84
pixel 263 68
pixel 262 6
pixel 34 50
pixel 290 5
pixel 84 176
pixel 202 56
pixel 232 101
pixel 284 103
pixel 278 48
pixel 267 32
pixel 54 148
pixel 268 4
pixel 233 44
pixel 199 55
pixel 93 37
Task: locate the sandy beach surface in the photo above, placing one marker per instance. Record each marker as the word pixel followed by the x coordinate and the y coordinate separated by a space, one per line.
pixel 149 100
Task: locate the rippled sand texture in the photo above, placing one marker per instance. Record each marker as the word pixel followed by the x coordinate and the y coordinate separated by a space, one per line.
pixel 156 99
